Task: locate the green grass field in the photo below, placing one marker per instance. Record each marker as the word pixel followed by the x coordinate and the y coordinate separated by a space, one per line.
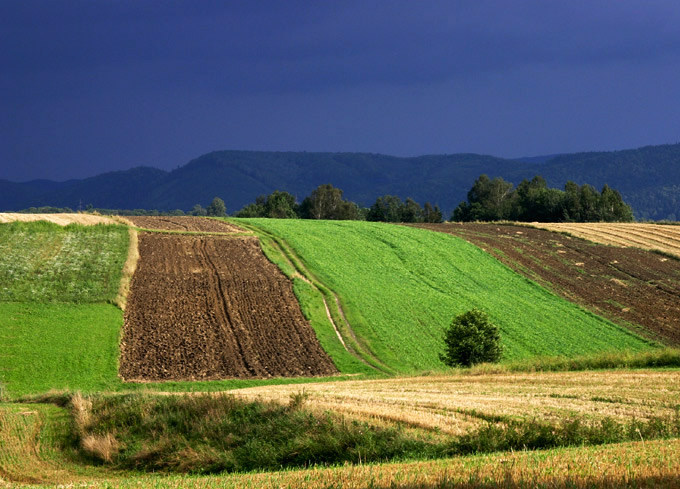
pixel 401 286
pixel 58 327
pixel 59 346
pixel 44 262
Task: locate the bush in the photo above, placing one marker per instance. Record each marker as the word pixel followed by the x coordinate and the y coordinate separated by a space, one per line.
pixel 471 338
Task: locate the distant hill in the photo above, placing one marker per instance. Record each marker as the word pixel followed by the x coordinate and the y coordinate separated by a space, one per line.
pixel 648 178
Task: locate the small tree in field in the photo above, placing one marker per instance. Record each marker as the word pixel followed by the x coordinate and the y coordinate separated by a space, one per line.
pixel 471 338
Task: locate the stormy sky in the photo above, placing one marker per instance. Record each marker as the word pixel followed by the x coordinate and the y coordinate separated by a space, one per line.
pixel 88 86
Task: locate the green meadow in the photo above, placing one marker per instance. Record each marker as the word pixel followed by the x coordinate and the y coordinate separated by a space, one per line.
pixel 400 287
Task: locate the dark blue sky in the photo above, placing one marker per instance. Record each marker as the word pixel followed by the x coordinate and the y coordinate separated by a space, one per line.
pixel 88 86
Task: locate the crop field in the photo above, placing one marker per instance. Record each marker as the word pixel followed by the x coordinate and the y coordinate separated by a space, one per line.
pixel 58 327
pixel 665 238
pixel 455 404
pixel 638 289
pixel 209 301
pixel 211 307
pixel 399 287
pixel 44 262
pixel 60 330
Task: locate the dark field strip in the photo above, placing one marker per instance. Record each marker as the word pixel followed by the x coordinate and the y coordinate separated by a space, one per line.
pixel 626 285
pixel 183 223
pixel 205 307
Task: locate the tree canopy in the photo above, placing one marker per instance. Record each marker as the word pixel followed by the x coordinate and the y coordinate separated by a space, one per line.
pixel 532 200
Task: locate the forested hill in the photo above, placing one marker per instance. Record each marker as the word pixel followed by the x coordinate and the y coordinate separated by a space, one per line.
pixel 648 178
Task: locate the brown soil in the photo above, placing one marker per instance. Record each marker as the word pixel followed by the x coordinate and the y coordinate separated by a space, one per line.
pixel 627 285
pixel 209 307
pixel 184 223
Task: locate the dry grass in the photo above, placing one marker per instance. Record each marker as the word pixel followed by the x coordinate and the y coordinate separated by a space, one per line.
pixel 128 269
pixel 61 219
pixel 104 447
pixel 453 403
pixel 21 452
pixel 82 412
pixel 630 465
pixel 645 236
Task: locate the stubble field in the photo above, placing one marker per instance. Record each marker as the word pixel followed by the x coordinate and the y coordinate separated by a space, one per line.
pixel 664 238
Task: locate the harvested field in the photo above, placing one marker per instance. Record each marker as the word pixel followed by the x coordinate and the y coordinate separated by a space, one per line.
pixel 184 223
pixel 455 403
pixel 210 307
pixel 61 219
pixel 627 285
pixel 659 237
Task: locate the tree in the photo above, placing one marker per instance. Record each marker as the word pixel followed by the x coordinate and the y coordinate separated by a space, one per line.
pixel 197 210
pixel 350 211
pixel 216 208
pixel 431 214
pixel 323 203
pixel 471 338
pixel 488 200
pixel 411 211
pixel 612 206
pixel 280 205
pixel 386 209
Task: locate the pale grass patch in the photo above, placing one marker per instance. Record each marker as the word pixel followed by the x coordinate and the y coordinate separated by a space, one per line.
pixel 104 447
pixel 128 269
pixel 60 219
pixel 82 412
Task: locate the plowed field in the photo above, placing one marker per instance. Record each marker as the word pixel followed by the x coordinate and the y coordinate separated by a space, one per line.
pixel 646 236
pixel 209 307
pixel 627 285
pixel 183 223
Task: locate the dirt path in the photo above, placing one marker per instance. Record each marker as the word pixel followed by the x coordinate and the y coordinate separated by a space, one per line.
pixel 207 307
pixel 626 285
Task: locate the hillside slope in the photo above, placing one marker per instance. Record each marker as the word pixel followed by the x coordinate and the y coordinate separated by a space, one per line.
pixel 648 178
pixel 401 287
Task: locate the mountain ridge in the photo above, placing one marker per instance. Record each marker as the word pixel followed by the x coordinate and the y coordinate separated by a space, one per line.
pixel 647 177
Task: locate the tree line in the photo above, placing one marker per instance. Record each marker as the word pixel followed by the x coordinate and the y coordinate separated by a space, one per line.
pixel 488 200
pixel 532 200
pixel 326 202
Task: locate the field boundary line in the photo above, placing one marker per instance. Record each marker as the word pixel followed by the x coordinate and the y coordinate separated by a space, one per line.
pixel 129 268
